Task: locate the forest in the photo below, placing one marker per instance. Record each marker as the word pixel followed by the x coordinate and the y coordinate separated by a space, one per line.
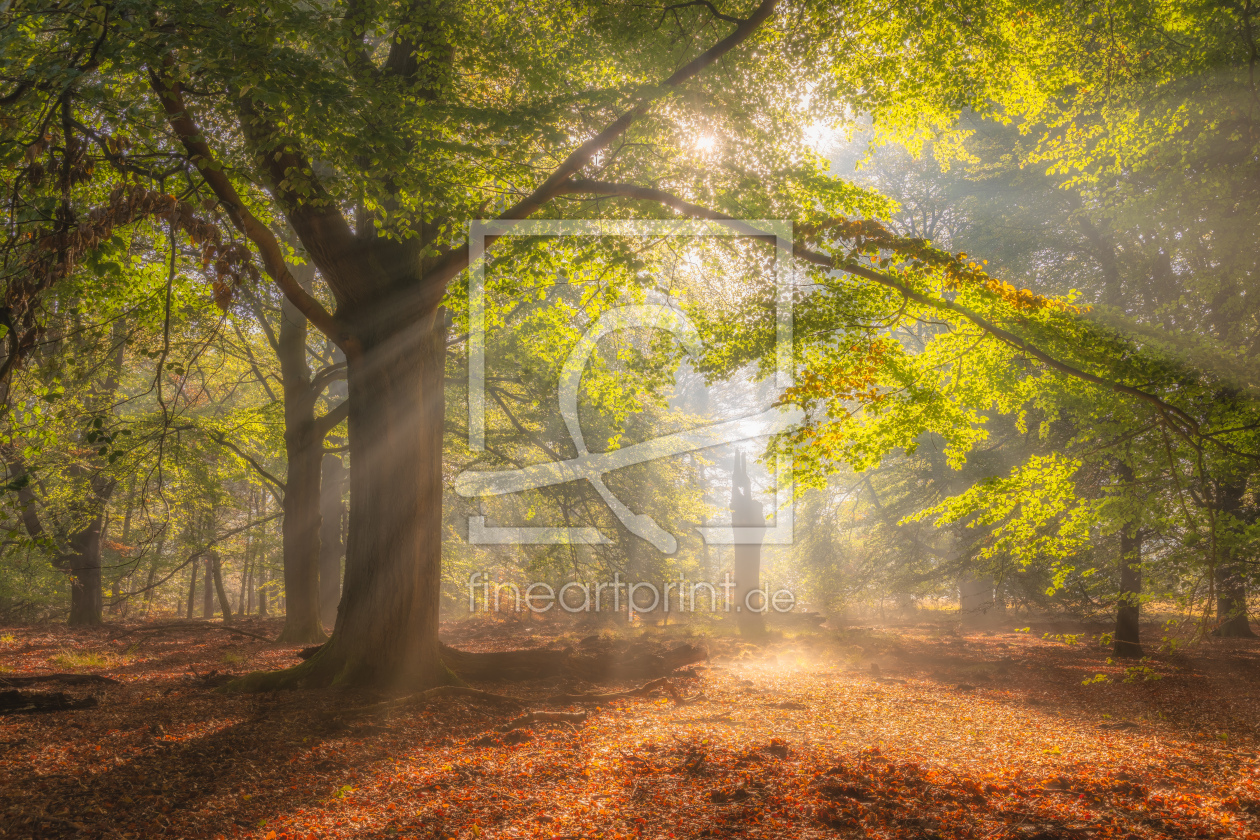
pixel 462 419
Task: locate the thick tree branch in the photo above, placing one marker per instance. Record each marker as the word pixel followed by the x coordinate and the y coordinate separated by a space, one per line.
pixel 456 260
pixel 309 209
pixel 327 376
pixel 353 51
pixel 168 92
pixel 583 154
pixel 325 424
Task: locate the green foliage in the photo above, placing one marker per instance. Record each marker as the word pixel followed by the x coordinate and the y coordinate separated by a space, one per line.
pixel 960 418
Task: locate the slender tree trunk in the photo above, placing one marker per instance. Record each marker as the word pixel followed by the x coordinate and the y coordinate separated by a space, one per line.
pixel 148 586
pixel 747 512
pixel 153 565
pixel 304 447
pixel 243 594
pixel 262 590
pixel 246 607
pixel 331 545
pixel 1231 566
pixel 1128 611
pixel 216 566
pixel 207 589
pixel 85 575
pixel 120 604
pixel 247 572
pixel 192 587
pixel 85 556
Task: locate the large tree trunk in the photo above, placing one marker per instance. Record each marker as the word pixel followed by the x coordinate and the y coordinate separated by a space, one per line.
pixel 85 575
pixel 1231 567
pixel 304 447
pixel 975 598
pixel 386 633
pixel 331 544
pixel 1128 609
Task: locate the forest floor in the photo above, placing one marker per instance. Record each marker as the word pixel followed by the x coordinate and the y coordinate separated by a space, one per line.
pixel 910 731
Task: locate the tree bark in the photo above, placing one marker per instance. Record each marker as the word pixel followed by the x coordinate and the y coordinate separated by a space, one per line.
pixel 747 512
pixel 1128 642
pixel 331 543
pixel 216 566
pixel 1231 566
pixel 304 446
pixel 386 634
pixel 148 586
pixel 85 575
pixel 241 609
pixel 207 589
pixel 1128 609
pixel 975 598
pixel 85 555
pixel 263 607
pixel 192 589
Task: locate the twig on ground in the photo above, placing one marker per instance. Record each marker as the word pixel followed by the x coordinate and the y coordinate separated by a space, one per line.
pixel 661 684
pixel 67 679
pixel 530 718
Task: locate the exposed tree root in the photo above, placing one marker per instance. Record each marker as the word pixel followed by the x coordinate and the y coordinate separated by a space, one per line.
pixel 662 684
pixel 65 679
pixel 258 681
pixel 438 693
pixel 594 662
pixel 301 635
pixel 329 666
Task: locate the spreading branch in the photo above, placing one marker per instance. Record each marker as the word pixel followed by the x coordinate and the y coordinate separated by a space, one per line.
pixel 325 424
pixel 249 459
pixel 1177 419
pixel 456 260
pixel 170 94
